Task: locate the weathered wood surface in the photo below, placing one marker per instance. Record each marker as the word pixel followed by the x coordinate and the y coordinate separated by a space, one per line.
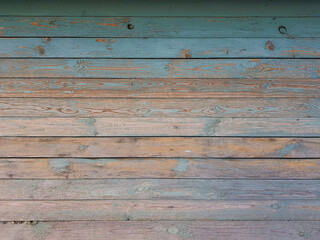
pixel 161 108
pixel 159 48
pixel 158 88
pixel 159 27
pixel 118 127
pixel 84 168
pixel 167 189
pixel 160 8
pixel 159 230
pixel 203 147
pixel 281 127
pixel 161 68
pixel 142 210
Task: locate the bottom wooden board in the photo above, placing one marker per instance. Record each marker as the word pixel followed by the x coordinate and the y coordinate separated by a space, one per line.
pixel 160 230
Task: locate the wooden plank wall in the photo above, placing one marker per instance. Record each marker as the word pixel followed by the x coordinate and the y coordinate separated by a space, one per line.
pixel 160 120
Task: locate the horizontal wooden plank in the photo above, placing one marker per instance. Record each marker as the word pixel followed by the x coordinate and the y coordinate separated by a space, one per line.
pixel 159 230
pixel 72 168
pixel 159 27
pixel 118 127
pixel 161 68
pixel 203 147
pixel 161 108
pixel 158 88
pixel 160 8
pixel 156 210
pixel 159 48
pixel 169 189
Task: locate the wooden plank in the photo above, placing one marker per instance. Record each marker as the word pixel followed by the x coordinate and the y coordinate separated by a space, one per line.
pixel 168 189
pixel 119 127
pixel 159 48
pixel 163 108
pixel 160 8
pixel 266 27
pixel 72 168
pixel 158 88
pixel 203 147
pixel 161 68
pixel 178 210
pixel 159 230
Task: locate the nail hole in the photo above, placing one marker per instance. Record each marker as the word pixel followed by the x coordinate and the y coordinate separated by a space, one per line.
pixel 282 30
pixel 130 26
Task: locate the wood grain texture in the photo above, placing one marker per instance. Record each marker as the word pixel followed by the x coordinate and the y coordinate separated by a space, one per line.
pixel 159 27
pixel 159 230
pixel 161 68
pixel 118 127
pixel 203 147
pixel 161 108
pixel 159 48
pixel 143 210
pixel 158 88
pixel 167 189
pixel 160 8
pixel 84 168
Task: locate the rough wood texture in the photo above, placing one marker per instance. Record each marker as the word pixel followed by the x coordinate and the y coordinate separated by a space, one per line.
pixel 73 168
pixel 161 68
pixel 160 47
pixel 204 147
pixel 159 230
pixel 161 108
pixel 158 88
pixel 285 210
pixel 118 127
pixel 160 8
pixel 176 27
pixel 168 189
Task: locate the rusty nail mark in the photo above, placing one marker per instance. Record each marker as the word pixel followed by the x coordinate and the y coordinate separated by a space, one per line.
pixel 282 30
pixel 270 46
pixel 130 26
pixel 40 50
pixel 185 53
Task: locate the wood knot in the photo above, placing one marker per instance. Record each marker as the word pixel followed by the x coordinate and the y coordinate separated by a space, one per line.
pixel 282 30
pixel 269 45
pixel 40 50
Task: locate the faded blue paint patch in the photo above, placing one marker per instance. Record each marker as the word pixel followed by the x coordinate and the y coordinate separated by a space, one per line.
pixel 287 149
pixel 59 165
pixel 182 166
pixel 96 161
pixel 83 147
pixel 210 125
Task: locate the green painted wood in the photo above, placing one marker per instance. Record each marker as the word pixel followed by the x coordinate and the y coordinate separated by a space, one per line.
pixel 155 210
pixel 159 48
pixel 97 168
pixel 159 230
pixel 160 8
pixel 266 27
pixel 170 147
pixel 169 189
pixel 161 108
pixel 161 68
pixel 108 127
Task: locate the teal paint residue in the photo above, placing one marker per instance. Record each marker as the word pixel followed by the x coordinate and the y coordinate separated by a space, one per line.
pixel 182 166
pixel 83 147
pixel 287 149
pixel 210 125
pixel 59 165
pixel 90 161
